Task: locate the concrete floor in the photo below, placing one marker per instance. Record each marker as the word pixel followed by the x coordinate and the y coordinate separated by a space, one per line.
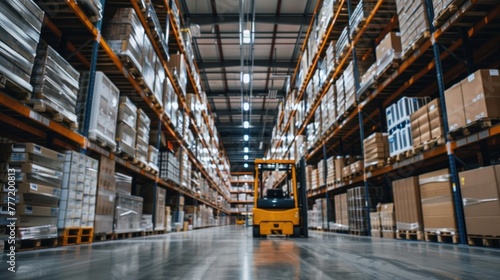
pixel 231 253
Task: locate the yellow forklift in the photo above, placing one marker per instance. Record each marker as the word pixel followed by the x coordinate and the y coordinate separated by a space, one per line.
pixel 279 204
pixel 240 219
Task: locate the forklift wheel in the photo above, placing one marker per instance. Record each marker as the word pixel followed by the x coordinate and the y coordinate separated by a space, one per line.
pixel 256 231
pixel 296 231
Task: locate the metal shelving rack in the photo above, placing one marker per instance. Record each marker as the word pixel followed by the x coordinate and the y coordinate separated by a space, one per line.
pixel 87 42
pixel 467 33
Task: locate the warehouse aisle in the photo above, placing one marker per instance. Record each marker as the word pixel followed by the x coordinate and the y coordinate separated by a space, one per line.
pixel 231 253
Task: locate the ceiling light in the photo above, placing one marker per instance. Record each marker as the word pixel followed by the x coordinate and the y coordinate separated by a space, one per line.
pixel 246 124
pixel 246 36
pixel 245 149
pixel 246 106
pixel 246 78
pixel 245 137
pixel 246 157
pixel 245 165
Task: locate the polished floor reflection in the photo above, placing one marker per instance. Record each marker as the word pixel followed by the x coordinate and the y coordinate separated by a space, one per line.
pixel 231 253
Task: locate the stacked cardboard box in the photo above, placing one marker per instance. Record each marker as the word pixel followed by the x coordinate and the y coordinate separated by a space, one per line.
pixel 440 7
pixel 341 212
pixel 339 163
pixel 323 212
pixel 153 155
pixel 104 109
pixel 475 98
pixel 330 176
pixel 37 173
pixel 387 52
pixel 177 66
pixel 128 213
pixel 481 195
pixel 426 124
pixel 350 86
pixel 360 13
pixel 79 188
pixel 413 23
pixel 147 192
pixel 388 221
pixel 106 193
pixel 20 25
pixel 142 140
pixel 126 129
pixel 357 206
pixel 55 84
pixel 123 183
pixel 169 167
pixel 126 36
pixel 342 44
pixel 407 204
pixel 399 123
pixel 376 149
pixel 341 97
pixel 321 173
pixel 185 169
pixel 437 202
pixel 170 101
pixel 168 219
pixel 376 224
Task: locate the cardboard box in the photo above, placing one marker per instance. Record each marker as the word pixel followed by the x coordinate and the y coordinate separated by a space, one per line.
pixel 36 189
pixel 455 107
pixel 388 221
pixel 106 180
pixel 392 41
pixel 481 84
pixel 376 233
pixel 105 202
pixel 407 204
pixel 375 221
pixel 30 199
pixel 391 234
pixel 481 199
pixel 437 202
pixel 339 167
pixel 38 150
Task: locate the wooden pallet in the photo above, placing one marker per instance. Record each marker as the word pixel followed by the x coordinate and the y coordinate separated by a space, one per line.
pixel 76 235
pixel 410 235
pixel 484 240
pixel 473 128
pixel 441 18
pixel 375 165
pixel 441 237
pixel 34 244
pixel 416 44
pixel 14 90
pixel 56 113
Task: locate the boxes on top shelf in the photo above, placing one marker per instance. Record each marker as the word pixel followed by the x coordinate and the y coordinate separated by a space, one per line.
pixel 481 93
pixel 413 24
pixel 177 66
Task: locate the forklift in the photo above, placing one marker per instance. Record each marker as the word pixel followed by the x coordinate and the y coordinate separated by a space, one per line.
pixel 279 204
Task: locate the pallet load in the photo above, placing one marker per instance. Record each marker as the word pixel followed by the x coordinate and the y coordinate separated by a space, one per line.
pixel 388 53
pixel 170 101
pixel 20 26
pixel 37 173
pixel 78 199
pixel 341 98
pixel 126 37
pixel 341 213
pixel 388 220
pixel 104 108
pixel 426 127
pixel 106 195
pixel 399 123
pixel 168 219
pixel 413 24
pixel 177 66
pixel 357 207
pixel 142 140
pixel 408 208
pixel 474 100
pixel 339 164
pixel 126 129
pixel 185 169
pixel 437 206
pixel 153 159
pixel 123 183
pixel 169 167
pixel 330 176
pixel 376 150
pixel 128 213
pixel 55 86
pixel 150 200
pixel 342 45
pixel 481 195
pixel 443 9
